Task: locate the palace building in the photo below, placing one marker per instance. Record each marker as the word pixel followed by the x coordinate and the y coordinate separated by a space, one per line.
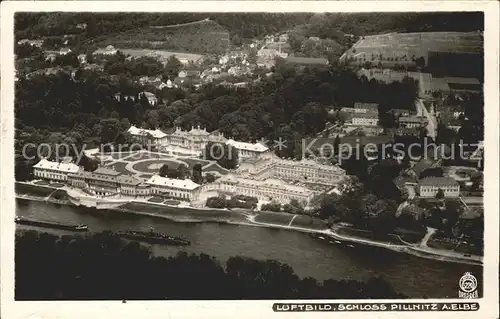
pixel 182 189
pixel 101 182
pixel 413 121
pixel 54 171
pixel 264 177
pixel 305 170
pixel 248 150
pixel 269 189
pixel 156 137
pixel 196 139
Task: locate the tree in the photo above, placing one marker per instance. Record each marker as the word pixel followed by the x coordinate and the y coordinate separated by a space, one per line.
pixel 336 144
pixel 181 171
pixel 210 178
pixel 420 62
pixel 225 155
pixel 383 225
pixel 163 170
pixel 172 67
pixel 109 130
pixel 191 276
pixel 216 202
pixel 197 173
pixel 252 56
pixel 440 194
pixel 273 206
pixel 88 164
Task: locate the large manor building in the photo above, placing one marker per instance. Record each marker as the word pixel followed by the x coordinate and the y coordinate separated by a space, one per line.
pixel 195 140
pixel 306 170
pixel 260 173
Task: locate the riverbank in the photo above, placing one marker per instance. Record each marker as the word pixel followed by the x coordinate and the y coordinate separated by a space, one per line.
pixel 250 218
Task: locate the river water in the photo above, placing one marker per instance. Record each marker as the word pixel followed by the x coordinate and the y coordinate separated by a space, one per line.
pixel 413 276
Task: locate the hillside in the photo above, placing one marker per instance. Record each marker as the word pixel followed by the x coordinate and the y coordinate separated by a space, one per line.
pixel 202 36
pixel 239 25
pixel 446 53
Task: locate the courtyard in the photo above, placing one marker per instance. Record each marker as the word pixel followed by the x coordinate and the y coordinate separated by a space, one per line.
pixel 145 164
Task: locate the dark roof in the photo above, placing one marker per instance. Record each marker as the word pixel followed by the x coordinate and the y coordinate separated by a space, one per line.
pixel 421 166
pixel 400 181
pixel 311 61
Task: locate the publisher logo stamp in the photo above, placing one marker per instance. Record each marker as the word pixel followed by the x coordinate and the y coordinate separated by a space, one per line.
pixel 468 286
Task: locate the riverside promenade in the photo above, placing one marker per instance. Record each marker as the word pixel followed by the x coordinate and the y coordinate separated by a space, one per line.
pixel 248 218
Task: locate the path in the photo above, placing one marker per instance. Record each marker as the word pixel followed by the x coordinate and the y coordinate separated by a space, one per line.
pixel 291 220
pixel 422 111
pixel 47 198
pixel 428 235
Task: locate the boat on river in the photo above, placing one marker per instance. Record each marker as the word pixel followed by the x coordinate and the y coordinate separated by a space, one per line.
pixel 153 237
pixel 49 224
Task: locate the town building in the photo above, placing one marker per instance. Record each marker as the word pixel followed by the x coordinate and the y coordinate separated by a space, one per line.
pixel 429 186
pixel 65 51
pixel 34 43
pixel 265 62
pixel 365 119
pixel 400 112
pixel 412 121
pixel 151 97
pixel 189 73
pixel 273 51
pixel 82 58
pixel 365 108
pixel 109 50
pixel 311 62
pixel 283 37
pixel 81 26
pixel 54 171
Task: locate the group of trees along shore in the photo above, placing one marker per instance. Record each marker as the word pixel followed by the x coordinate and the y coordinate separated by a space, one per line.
pixel 104 267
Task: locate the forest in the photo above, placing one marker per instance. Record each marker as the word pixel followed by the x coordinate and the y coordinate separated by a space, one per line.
pixel 288 104
pixel 250 25
pixel 102 266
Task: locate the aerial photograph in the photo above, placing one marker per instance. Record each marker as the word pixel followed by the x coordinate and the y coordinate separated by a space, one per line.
pixel 245 156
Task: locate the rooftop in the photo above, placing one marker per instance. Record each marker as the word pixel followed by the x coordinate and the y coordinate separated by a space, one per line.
pixel 437 182
pixel 413 119
pixel 143 132
pixel 61 167
pixel 254 147
pixel 310 61
pixel 360 105
pixel 106 171
pixel 184 184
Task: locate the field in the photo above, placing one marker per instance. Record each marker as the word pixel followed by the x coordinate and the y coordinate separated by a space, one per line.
pixel 163 55
pixel 203 36
pixel 400 48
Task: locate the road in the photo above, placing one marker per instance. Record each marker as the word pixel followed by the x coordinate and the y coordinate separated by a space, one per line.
pixel 432 122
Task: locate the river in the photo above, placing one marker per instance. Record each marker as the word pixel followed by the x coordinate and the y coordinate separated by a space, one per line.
pixel 413 276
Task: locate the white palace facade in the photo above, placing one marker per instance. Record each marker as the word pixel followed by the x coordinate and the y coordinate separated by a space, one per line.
pixel 306 170
pixel 265 190
pixel 195 140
